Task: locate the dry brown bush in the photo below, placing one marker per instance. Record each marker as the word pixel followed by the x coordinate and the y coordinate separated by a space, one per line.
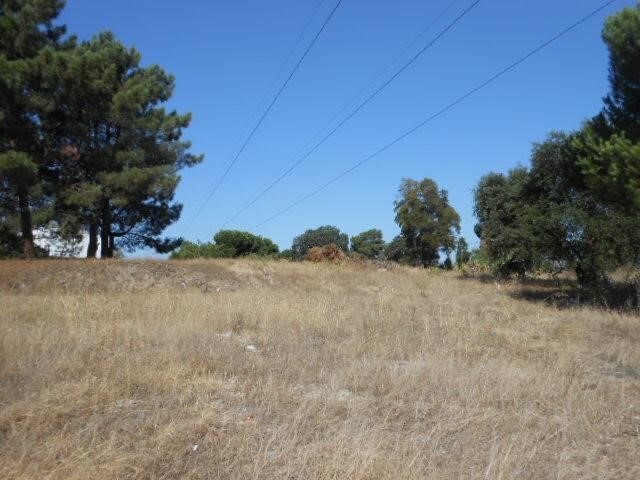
pixel 326 253
pixel 249 369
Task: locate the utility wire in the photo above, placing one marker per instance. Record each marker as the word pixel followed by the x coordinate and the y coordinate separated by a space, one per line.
pixel 345 107
pixel 266 112
pixel 353 113
pixel 245 130
pixel 438 113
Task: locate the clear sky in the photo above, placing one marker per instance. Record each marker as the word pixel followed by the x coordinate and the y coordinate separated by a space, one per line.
pixel 225 54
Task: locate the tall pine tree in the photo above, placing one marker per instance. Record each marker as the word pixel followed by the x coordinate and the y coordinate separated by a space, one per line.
pixel 26 28
pixel 119 150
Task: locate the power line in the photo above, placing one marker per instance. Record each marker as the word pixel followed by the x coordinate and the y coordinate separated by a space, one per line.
pixel 347 105
pixel 264 115
pixel 439 113
pixel 353 113
pixel 245 130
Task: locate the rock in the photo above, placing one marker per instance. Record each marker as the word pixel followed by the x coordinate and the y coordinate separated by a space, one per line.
pixel 191 449
pixel 343 394
pixel 251 348
pixel 271 455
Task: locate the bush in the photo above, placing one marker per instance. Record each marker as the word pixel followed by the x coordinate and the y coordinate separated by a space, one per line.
pixel 245 243
pixel 474 268
pixel 201 250
pixel 286 254
pixel 228 244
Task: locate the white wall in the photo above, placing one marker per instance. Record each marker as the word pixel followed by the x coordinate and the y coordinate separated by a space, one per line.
pixel 46 238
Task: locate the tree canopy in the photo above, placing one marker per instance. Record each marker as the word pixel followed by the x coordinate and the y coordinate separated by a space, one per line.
pixel 26 31
pixel 396 251
pixel 369 244
pixel 120 149
pixel 463 255
pixel 84 139
pixel 428 223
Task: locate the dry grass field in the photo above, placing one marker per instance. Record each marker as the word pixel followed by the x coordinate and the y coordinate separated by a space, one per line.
pixel 249 369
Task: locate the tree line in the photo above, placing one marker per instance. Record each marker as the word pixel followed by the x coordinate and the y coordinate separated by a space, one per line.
pixel 429 235
pixel 576 206
pixel 85 142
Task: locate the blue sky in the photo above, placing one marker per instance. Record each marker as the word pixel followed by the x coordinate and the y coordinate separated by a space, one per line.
pixel 225 54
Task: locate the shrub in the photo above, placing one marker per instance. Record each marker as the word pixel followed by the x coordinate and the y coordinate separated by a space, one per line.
pixel 245 243
pixel 286 254
pixel 228 244
pixel 202 250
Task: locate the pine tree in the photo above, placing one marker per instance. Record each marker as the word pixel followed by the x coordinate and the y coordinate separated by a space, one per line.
pixel 26 29
pixel 608 147
pixel 120 151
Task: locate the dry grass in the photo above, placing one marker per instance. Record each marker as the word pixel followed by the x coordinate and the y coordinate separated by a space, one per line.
pixel 243 369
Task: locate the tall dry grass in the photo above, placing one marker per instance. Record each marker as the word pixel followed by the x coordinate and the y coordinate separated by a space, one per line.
pixel 232 369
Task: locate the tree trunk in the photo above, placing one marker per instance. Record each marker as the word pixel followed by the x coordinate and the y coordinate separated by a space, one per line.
pixel 93 241
pixel 28 246
pixel 105 231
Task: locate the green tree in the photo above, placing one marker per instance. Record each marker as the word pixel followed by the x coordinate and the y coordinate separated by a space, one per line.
pixel 621 34
pixel 427 222
pixel 325 235
pixel 369 244
pixel 286 254
pixel 575 226
pixel 577 207
pixel 396 250
pixel 462 251
pixel 26 29
pixel 10 241
pixel 608 147
pixel 504 225
pixel 245 243
pixel 548 216
pixel 120 150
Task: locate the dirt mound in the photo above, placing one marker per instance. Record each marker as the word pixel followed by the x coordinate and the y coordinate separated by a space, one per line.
pixel 326 253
